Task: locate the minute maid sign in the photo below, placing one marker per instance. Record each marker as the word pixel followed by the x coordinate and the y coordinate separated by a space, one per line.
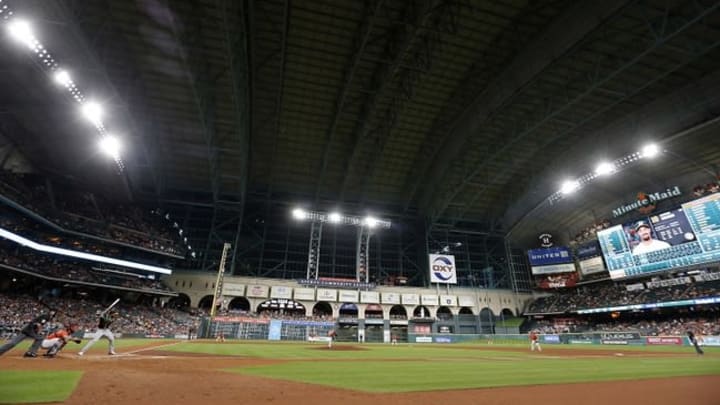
pixel 442 269
pixel 645 202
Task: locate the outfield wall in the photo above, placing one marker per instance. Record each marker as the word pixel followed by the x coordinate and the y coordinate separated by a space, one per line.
pixel 302 330
pixel 594 338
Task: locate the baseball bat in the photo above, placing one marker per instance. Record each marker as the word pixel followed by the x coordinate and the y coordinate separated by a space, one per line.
pixel 110 307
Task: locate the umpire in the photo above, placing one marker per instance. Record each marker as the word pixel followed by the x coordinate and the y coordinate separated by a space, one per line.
pixel 33 330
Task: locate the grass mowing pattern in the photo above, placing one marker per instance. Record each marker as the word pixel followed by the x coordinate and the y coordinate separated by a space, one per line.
pixel 37 386
pixel 383 368
pixel 404 376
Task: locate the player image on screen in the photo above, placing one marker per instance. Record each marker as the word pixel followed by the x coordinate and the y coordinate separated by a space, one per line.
pixel 691 232
pixel 647 242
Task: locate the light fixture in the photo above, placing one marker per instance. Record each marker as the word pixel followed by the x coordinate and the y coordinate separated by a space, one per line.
pixel 604 169
pixel 335 217
pixel 21 31
pixel 62 77
pixel 569 186
pixel 110 145
pixel 370 222
pixel 93 112
pixel 79 255
pixel 299 213
pixel 650 151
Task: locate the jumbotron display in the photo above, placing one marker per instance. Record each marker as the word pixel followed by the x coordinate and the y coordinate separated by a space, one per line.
pixel 679 238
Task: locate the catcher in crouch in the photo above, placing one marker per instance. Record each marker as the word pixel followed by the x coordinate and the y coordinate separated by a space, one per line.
pixel 57 339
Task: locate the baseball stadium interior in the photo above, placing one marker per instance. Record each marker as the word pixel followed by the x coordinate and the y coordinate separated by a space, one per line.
pixel 412 171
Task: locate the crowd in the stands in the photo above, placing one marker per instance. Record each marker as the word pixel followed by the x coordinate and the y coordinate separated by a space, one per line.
pixel 609 294
pixel 677 326
pixel 58 267
pixel 92 214
pixel 16 311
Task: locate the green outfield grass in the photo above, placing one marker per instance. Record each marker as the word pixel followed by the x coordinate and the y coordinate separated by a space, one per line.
pixel 418 367
pixel 386 368
pixel 37 386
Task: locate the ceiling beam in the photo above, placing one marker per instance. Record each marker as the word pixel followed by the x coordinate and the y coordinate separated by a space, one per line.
pixel 361 42
pixel 599 76
pixel 559 38
pixel 422 21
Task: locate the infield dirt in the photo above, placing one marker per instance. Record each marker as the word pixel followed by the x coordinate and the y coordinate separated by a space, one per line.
pixel 154 376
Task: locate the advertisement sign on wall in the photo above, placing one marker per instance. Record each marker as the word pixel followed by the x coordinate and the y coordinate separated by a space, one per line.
pixel 281 291
pixel 664 340
pixel 258 291
pixel 390 298
pixel 307 294
pixel 370 297
pixel 411 299
pixel 554 255
pixel 442 269
pixel 326 295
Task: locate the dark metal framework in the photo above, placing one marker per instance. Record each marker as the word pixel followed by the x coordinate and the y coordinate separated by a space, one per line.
pixel 446 115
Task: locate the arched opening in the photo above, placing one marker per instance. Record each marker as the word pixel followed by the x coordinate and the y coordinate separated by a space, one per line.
pixel 444 314
pixel 281 307
pixel 487 320
pixel 398 324
pixel 466 311
pixel 182 301
pixel 323 310
pixel 348 322
pixel 373 311
pixel 421 311
pixel 506 313
pixel 239 304
pixel 348 311
pixel 398 312
pixel 205 302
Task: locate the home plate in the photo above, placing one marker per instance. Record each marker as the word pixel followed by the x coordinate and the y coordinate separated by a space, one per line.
pixel 619 354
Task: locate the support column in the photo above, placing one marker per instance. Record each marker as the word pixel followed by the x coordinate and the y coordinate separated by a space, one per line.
pixel 314 250
pixel 362 259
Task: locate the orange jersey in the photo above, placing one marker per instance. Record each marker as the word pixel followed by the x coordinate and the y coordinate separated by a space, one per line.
pixel 59 334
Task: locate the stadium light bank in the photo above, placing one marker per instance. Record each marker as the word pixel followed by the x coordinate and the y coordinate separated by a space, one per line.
pixel 338 218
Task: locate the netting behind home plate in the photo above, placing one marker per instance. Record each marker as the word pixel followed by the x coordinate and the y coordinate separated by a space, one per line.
pixel 263 328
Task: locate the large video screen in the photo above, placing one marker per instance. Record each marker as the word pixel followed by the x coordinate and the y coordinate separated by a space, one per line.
pixel 679 238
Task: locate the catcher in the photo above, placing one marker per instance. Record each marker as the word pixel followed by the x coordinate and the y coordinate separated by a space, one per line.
pixel 55 341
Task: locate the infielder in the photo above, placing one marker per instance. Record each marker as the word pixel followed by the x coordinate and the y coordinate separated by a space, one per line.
pixel 103 330
pixel 534 344
pixel 331 334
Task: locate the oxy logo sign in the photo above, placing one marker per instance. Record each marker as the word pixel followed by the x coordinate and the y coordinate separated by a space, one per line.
pixel 442 269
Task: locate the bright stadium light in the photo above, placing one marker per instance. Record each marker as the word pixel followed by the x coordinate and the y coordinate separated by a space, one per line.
pixel 335 217
pixel 110 146
pixel 62 77
pixel 371 222
pixel 650 151
pixel 21 31
pixel 604 169
pixel 93 112
pixel 79 255
pixel 569 186
pixel 299 214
